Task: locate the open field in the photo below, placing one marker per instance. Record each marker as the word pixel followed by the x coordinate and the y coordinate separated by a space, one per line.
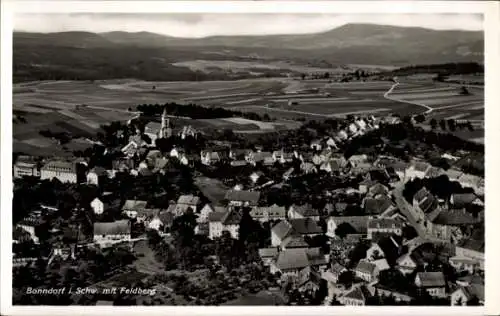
pixel 80 107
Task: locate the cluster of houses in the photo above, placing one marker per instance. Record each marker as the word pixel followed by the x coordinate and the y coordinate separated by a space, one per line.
pixel 291 254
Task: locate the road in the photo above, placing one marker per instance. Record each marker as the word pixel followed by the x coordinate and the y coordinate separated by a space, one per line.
pixel 407 209
pixel 386 95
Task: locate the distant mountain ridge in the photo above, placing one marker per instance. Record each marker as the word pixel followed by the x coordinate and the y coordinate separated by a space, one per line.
pixel 129 54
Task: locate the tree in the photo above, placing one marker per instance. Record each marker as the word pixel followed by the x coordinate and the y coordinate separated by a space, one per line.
pixel 346 278
pixel 452 125
pixel 464 91
pixel 433 123
pixel 344 229
pixel 420 118
pixel 303 76
pixel 442 124
pixel 326 75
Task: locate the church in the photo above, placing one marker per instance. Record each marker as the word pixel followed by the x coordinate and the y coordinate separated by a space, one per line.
pixel 162 130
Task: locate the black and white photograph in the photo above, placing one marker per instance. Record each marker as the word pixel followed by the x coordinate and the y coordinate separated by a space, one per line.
pixel 247 159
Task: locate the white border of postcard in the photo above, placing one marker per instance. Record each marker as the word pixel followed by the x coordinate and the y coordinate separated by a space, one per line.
pixel 491 12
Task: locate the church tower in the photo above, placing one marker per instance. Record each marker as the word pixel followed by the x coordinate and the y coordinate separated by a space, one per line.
pixel 165 130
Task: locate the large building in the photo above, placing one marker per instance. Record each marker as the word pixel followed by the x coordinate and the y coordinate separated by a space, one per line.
pixel 25 166
pixel 64 171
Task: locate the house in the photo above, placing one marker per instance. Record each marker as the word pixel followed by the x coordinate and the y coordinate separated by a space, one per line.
pixel 352 129
pixel 254 177
pixel 177 153
pixel 224 221
pixel 472 181
pixel 64 171
pixel 417 169
pixel 434 172
pixel 188 201
pixel 332 274
pixel 365 185
pixel 308 167
pixel 424 203
pixel 384 225
pixel 268 255
pixel 448 224
pixel 294 227
pixel 386 291
pixel 19 235
pixel 161 221
pixel 316 145
pixel 358 223
pixel 270 213
pixel 145 215
pixel 453 174
pixel 282 156
pixel 361 124
pixel 303 211
pixel 264 157
pixel 29 224
pixel 26 166
pixel 378 189
pixel 468 295
pixel 291 261
pixel 433 283
pixel 375 252
pixel 105 232
pixel 309 280
pixel 239 154
pixel 96 175
pixel 211 157
pixel 459 200
pixel 357 296
pixel 461 264
pixel 342 135
pixel 330 142
pixel 408 262
pixel 378 206
pixel 206 210
pixel 242 198
pixel 188 131
pixel 293 241
pixel 367 271
pixel 131 207
pixel 357 159
pixel 472 249
pixel 333 165
pixel 104 203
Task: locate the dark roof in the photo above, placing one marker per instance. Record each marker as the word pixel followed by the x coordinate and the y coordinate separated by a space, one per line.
pixel 431 279
pixel 167 218
pixel 359 293
pixel 359 223
pixel 434 172
pixel 421 194
pixel 282 229
pixel 305 210
pixel 474 291
pixel 463 199
pixel 472 244
pixel 298 258
pixel 305 226
pixel 309 274
pixel 377 205
pixel 337 268
pixel 216 216
pixel 232 217
pixel 100 171
pixel 378 188
pixel 246 196
pixel 188 199
pixel 121 227
pixel 429 204
pixel 454 217
pixel 294 241
pixel 420 166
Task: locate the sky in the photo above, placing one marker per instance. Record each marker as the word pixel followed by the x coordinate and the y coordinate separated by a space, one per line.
pixel 201 25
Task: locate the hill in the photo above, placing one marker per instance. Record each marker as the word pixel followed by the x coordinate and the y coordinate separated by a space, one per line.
pixel 116 54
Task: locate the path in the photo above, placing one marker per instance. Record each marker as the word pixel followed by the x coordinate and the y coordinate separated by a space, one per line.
pixel 386 95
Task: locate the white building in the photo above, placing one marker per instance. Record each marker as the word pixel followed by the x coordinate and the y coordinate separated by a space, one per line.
pixel 64 171
pixel 107 232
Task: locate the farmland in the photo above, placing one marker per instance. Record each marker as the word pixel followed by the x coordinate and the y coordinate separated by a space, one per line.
pixel 80 107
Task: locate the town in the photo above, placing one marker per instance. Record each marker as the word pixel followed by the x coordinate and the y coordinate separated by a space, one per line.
pixel 355 210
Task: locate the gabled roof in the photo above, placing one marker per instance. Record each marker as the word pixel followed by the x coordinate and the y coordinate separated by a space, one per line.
pixel 472 244
pixel 134 205
pixel 421 194
pixel 305 210
pixel 216 216
pixel 60 165
pixel 188 199
pixel 245 196
pixel 309 274
pixel 378 205
pixel 232 217
pixel 384 223
pixel 294 241
pixel 337 268
pixel 262 155
pixel 421 166
pixel 453 174
pixel 473 291
pixel 305 226
pixel 434 172
pixel 463 199
pixel 431 279
pixel 359 293
pixel 121 227
pixel 378 188
pixel 268 252
pixel 271 211
pixel 298 258
pixel 454 217
pixel 365 267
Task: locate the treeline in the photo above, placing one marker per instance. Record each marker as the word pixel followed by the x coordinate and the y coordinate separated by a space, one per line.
pixel 443 69
pixel 197 112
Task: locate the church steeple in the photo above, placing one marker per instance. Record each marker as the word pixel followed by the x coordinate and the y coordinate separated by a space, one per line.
pixel 166 130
